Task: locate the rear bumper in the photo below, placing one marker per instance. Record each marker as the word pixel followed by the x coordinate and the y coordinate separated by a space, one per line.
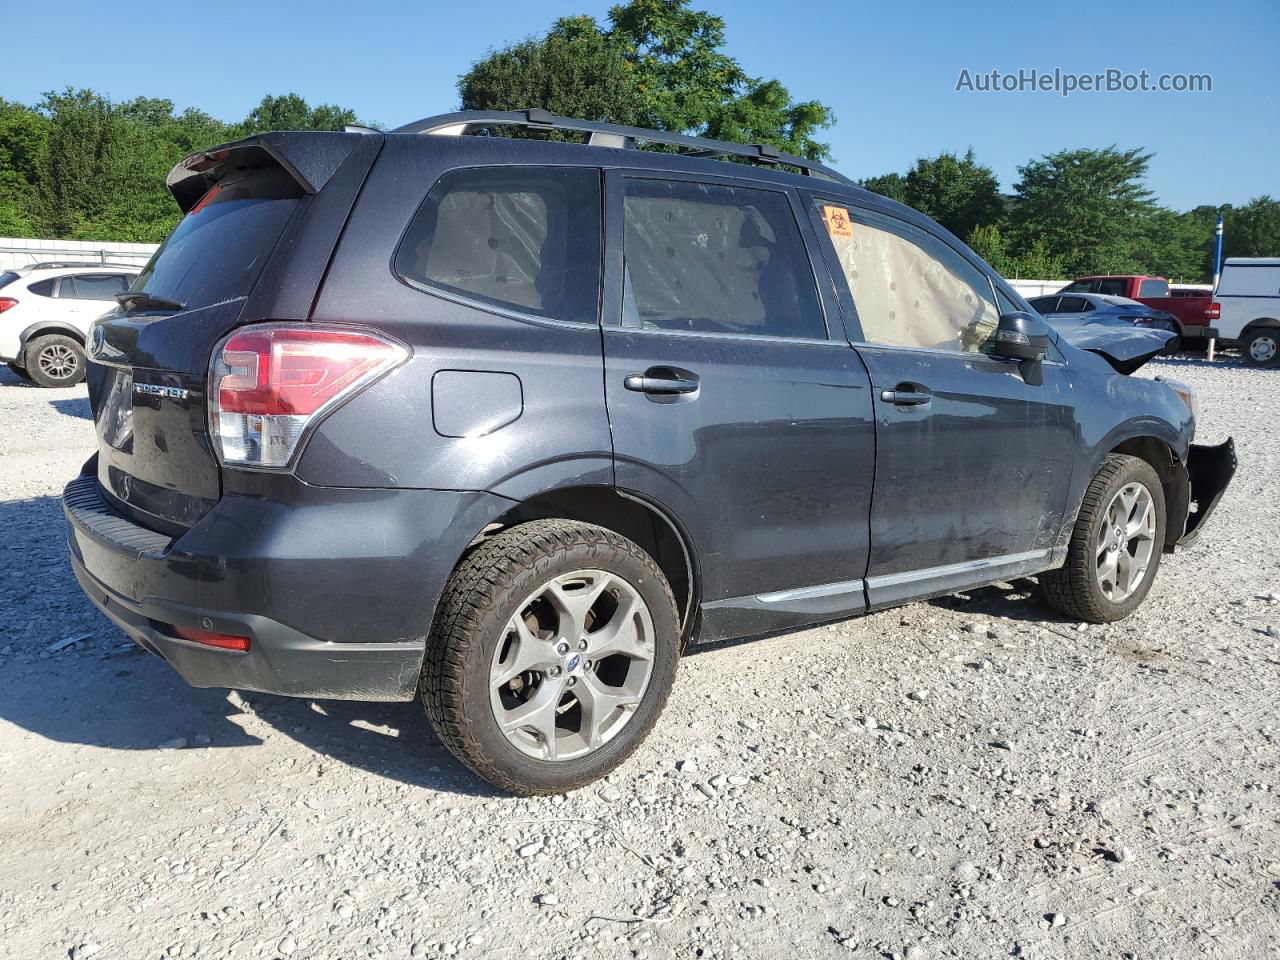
pixel 335 588
pixel 1209 472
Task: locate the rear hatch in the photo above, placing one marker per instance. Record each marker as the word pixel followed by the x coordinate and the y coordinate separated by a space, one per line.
pixel 255 239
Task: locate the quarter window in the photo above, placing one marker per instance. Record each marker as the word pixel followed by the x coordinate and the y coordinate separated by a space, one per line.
pixel 909 288
pixel 92 287
pixel 708 258
pixel 1074 305
pixel 525 238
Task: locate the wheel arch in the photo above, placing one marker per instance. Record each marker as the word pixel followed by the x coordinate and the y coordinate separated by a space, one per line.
pixel 645 523
pixel 43 327
pixel 1173 479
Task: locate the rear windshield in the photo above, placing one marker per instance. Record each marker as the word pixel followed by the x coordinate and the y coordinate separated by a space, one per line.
pixel 222 244
pixel 7 278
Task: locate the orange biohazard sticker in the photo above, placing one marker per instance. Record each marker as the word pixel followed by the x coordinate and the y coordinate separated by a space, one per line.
pixel 837 221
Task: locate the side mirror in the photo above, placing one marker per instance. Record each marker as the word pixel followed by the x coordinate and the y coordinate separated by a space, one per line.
pixel 1023 337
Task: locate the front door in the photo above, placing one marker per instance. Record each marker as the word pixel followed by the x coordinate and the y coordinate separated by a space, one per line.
pixel 972 462
pixel 735 401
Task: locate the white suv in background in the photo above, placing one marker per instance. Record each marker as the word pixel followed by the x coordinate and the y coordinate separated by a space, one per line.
pixel 1249 295
pixel 45 312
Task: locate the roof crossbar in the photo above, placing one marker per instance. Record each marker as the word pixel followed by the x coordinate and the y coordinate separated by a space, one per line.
pixel 615 135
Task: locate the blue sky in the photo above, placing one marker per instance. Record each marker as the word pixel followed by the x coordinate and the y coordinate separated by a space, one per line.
pixel 888 70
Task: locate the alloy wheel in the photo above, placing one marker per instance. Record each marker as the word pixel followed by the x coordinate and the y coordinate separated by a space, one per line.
pixel 1126 541
pixel 572 666
pixel 58 361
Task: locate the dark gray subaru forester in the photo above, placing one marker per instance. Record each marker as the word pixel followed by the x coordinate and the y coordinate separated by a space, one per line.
pixel 510 421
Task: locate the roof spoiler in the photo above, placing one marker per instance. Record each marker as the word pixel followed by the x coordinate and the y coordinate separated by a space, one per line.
pixel 310 158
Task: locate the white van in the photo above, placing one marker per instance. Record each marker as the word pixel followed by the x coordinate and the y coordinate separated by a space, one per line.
pixel 1249 294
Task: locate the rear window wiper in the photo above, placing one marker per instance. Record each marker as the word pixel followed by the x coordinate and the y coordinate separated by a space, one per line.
pixel 140 299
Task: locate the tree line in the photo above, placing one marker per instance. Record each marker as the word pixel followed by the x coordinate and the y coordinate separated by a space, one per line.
pixel 78 166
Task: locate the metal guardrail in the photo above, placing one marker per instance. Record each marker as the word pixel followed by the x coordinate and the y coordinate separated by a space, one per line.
pixel 25 255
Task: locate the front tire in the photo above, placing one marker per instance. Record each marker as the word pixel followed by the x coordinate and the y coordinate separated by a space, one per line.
pixel 55 360
pixel 1115 546
pixel 552 655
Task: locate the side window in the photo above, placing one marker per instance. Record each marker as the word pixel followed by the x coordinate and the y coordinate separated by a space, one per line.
pixel 1113 288
pixel 526 238
pixel 716 259
pixel 1045 304
pixel 1153 288
pixel 910 289
pixel 42 288
pixel 1080 286
pixel 92 286
pixel 1074 305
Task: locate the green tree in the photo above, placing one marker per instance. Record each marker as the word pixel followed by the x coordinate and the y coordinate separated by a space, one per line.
pixel 1252 230
pixel 958 192
pixel 891 185
pixel 574 71
pixel 658 64
pixel 23 141
pixel 291 112
pixel 1088 208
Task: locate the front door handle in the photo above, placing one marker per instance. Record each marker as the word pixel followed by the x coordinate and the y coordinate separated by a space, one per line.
pixel 661 383
pixel 907 395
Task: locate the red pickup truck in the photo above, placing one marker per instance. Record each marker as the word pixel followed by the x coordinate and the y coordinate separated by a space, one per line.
pixel 1196 315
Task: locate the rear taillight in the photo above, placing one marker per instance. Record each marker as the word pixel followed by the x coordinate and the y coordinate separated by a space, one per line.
pixel 208 638
pixel 1214 312
pixel 6 303
pixel 269 383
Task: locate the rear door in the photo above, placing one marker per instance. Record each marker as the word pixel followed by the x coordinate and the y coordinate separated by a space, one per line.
pixel 972 463
pixel 734 399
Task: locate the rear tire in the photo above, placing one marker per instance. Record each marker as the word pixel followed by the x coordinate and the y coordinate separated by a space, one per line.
pixel 1261 347
pixel 55 360
pixel 552 654
pixel 1115 547
pixel 20 370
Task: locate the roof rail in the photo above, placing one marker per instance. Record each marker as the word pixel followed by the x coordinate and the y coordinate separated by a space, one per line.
pixel 60 264
pixel 602 134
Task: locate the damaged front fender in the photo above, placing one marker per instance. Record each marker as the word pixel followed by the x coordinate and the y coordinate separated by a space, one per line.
pixel 1208 472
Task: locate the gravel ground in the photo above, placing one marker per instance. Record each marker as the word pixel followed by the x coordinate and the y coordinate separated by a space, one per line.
pixel 959 778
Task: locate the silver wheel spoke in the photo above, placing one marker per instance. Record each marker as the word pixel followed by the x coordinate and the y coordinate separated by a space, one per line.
pixel 538 714
pixel 621 635
pixel 574 606
pixel 528 653
pixel 600 705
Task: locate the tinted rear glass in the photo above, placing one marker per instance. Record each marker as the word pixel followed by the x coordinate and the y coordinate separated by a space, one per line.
pixel 218 250
pixel 7 278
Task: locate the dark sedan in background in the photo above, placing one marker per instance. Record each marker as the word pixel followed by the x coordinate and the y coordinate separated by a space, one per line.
pixel 1081 309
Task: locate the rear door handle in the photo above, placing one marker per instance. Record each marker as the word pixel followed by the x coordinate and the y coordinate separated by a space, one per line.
pixel 661 386
pixel 906 395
